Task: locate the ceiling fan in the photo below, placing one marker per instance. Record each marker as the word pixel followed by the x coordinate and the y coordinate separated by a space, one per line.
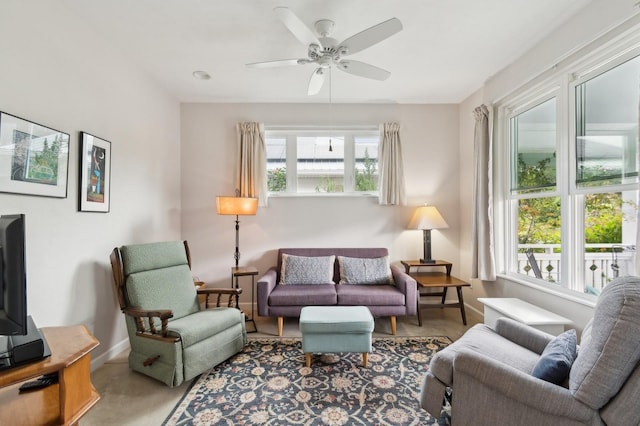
pixel 326 51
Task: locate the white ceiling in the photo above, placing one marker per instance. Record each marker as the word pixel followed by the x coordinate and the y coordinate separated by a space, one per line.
pixel 446 50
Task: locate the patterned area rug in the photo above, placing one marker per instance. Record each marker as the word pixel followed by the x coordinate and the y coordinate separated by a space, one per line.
pixel 269 384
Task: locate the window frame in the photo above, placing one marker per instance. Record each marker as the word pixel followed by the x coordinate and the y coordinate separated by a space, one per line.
pixel 350 134
pixel 561 84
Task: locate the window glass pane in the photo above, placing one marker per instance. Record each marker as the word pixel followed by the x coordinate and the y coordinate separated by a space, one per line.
pixel 276 148
pixel 533 141
pixel 320 164
pixel 539 237
pixel 610 237
pixel 366 157
pixel 607 127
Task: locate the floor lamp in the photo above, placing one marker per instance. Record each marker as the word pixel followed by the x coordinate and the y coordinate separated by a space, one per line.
pixel 427 218
pixel 237 206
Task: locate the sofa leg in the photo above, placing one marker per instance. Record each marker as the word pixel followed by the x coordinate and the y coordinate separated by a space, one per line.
pixel 365 358
pixel 393 325
pixel 280 325
pixel 307 359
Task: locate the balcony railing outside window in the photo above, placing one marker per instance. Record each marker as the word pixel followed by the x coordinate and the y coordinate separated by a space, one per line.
pixel 607 262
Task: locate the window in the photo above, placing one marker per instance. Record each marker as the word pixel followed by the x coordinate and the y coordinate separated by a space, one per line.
pixel 319 161
pixel 533 139
pixel 607 126
pixel 571 198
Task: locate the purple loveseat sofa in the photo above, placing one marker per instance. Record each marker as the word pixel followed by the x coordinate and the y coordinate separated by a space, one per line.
pixel 383 300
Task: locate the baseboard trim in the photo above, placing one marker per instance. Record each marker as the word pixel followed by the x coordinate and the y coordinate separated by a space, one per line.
pixel 113 351
pixel 471 308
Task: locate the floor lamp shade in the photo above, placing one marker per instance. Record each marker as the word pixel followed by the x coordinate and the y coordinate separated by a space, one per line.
pixel 427 218
pixel 238 206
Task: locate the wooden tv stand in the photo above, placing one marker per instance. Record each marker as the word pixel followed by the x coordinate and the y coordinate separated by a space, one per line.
pixel 62 403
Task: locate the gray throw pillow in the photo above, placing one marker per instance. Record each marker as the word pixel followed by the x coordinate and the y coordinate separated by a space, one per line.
pixel 356 270
pixel 307 269
pixel 557 358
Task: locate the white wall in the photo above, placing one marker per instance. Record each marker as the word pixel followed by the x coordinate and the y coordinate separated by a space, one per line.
pixel 430 149
pixel 56 73
pixel 597 19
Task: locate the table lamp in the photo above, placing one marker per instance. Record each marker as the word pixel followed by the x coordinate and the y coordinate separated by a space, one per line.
pixel 237 206
pixel 427 218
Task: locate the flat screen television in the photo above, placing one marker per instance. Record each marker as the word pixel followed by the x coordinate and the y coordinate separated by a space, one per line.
pixel 20 340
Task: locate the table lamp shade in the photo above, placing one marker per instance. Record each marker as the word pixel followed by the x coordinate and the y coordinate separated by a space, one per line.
pixel 427 217
pixel 237 205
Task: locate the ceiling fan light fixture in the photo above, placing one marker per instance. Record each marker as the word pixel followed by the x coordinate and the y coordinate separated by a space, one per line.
pixel 315 50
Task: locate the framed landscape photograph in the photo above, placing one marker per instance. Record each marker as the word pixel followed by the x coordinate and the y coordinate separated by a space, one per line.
pixel 34 159
pixel 95 174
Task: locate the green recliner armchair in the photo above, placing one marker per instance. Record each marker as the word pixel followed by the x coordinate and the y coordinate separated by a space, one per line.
pixel 172 337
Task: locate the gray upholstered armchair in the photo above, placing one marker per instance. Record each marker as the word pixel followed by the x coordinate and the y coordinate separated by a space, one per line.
pixel 172 338
pixel 489 371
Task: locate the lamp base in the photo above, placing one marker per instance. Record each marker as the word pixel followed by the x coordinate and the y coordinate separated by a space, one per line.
pixel 427 261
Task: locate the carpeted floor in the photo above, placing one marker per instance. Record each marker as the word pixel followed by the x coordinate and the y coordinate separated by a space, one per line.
pixel 269 384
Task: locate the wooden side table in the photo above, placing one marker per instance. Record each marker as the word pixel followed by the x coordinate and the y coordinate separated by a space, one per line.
pixel 408 264
pixel 245 271
pixel 442 280
pixel 62 403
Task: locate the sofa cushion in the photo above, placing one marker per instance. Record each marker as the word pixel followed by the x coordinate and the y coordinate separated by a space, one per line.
pixel 557 358
pixel 302 295
pixel 369 295
pixel 307 270
pixel 329 251
pixel 609 348
pixel 482 339
pixel 362 270
pixel 204 324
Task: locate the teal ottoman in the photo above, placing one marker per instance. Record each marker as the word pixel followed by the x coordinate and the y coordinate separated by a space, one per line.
pixel 336 329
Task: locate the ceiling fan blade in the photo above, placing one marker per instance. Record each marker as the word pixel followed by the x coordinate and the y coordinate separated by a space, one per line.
pixel 316 81
pixel 371 36
pixel 296 26
pixel 271 64
pixel 363 70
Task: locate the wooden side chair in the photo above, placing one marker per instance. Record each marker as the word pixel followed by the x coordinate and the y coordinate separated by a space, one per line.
pixel 173 338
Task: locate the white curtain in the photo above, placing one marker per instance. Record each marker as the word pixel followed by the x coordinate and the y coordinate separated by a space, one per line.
pixel 482 257
pixel 391 176
pixel 252 175
pixel 636 270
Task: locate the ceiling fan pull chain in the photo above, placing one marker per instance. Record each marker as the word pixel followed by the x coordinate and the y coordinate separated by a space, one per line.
pixel 330 109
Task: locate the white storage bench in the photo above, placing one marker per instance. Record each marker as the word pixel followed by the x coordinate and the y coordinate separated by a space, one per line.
pixel 523 312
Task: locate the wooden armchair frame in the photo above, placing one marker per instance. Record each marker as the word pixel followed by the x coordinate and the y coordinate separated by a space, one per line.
pixel 146 319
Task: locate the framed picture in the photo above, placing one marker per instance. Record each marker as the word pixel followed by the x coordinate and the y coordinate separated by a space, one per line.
pixel 34 159
pixel 95 174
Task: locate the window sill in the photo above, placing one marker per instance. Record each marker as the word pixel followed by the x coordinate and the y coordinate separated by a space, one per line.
pixel 322 195
pixel 563 293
